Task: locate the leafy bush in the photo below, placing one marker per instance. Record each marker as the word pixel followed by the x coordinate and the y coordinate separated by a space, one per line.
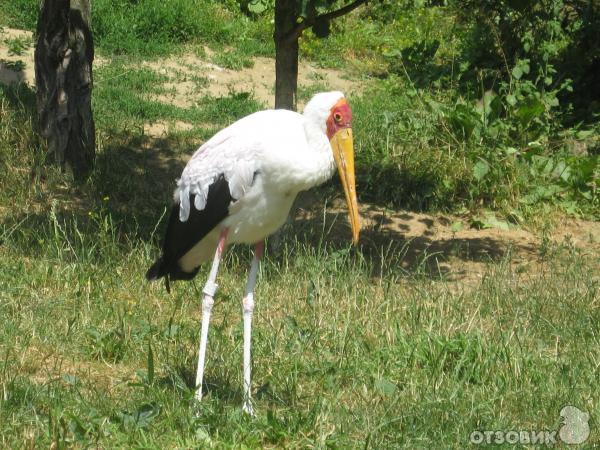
pixel 420 151
pixel 494 114
pixel 403 151
pixel 520 55
pixel 550 46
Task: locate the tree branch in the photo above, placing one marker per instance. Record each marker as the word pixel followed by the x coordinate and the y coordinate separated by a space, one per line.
pixel 344 10
pixel 296 32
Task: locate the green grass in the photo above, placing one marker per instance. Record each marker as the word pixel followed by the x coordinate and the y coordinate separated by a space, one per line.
pixel 232 60
pixel 17 46
pixel 373 347
pixel 151 27
pixel 125 100
pixel 352 348
pixel 391 361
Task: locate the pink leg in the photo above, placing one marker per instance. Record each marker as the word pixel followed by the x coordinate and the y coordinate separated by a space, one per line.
pixel 248 308
pixel 210 288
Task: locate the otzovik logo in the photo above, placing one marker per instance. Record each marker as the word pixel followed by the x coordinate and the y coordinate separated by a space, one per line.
pixel 574 430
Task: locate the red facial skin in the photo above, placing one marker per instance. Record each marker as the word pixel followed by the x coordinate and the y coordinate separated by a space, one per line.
pixel 340 117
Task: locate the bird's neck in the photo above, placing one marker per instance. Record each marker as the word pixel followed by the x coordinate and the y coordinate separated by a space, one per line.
pixel 320 166
pixel 308 164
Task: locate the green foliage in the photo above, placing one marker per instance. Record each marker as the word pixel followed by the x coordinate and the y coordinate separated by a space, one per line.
pixel 20 13
pixel 17 46
pixel 232 60
pixel 310 12
pixel 92 356
pixel 538 43
pixel 107 345
pixel 403 158
pixel 487 103
pixel 154 27
pixel 423 151
pixel 129 104
pixel 370 41
pixel 516 54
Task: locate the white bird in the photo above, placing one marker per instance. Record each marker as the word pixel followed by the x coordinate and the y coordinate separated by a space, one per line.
pixel 239 187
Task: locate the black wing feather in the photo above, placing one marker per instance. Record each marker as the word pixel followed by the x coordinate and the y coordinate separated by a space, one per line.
pixel 181 237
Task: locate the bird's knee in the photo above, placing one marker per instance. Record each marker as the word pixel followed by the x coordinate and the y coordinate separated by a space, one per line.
pixel 210 289
pixel 207 302
pixel 248 303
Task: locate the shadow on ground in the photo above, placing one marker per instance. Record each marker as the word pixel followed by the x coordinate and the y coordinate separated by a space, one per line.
pixel 407 242
pixel 123 200
pixel 20 96
pixel 135 177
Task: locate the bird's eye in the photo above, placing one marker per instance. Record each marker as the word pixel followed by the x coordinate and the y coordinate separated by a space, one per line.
pixel 337 117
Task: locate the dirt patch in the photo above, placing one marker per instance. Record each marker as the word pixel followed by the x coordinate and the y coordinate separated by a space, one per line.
pixel 162 129
pixel 16 67
pixel 190 78
pixel 582 234
pixel 17 49
pixel 220 81
pixel 431 244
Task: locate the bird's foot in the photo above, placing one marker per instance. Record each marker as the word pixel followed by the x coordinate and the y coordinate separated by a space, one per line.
pixel 248 409
pixel 197 403
pixel 196 408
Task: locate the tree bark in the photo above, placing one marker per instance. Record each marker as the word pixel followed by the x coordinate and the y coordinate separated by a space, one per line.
pixel 63 70
pixel 286 55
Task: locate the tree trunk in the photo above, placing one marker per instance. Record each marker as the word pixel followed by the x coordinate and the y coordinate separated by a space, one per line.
pixel 63 71
pixel 286 55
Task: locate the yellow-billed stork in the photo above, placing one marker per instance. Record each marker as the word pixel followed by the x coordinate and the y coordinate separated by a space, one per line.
pixel 239 187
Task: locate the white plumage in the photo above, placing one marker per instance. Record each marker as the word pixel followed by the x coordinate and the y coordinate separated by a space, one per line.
pixel 252 145
pixel 239 187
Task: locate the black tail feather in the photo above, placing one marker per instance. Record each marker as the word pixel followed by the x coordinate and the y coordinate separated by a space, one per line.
pixel 160 269
pixel 157 270
pixel 181 237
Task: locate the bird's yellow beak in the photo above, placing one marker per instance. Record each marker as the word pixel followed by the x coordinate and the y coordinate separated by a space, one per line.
pixel 343 153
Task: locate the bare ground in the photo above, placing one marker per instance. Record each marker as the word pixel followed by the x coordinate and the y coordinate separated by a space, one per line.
pixel 259 79
pixel 16 68
pixel 191 77
pixel 433 246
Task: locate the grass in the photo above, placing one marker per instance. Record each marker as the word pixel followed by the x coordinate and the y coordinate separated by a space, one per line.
pixel 92 355
pixel 365 41
pixel 375 347
pixel 17 46
pixel 126 99
pixel 351 348
pixel 149 28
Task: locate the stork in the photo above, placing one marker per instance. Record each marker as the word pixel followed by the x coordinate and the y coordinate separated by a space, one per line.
pixel 239 187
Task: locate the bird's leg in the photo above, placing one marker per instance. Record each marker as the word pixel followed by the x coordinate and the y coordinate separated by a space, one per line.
pixel 210 288
pixel 248 308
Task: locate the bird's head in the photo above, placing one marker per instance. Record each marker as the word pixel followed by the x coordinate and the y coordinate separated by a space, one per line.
pixel 333 111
